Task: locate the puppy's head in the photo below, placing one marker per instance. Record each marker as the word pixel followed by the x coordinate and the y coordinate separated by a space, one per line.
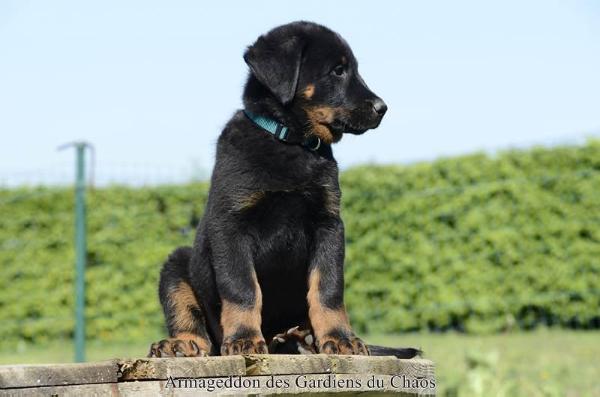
pixel 311 72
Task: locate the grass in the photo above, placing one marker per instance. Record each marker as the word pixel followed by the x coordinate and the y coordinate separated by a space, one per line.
pixel 540 363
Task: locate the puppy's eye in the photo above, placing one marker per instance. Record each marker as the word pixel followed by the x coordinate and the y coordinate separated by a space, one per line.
pixel 339 70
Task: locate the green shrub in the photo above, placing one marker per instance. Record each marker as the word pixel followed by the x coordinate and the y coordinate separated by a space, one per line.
pixel 474 243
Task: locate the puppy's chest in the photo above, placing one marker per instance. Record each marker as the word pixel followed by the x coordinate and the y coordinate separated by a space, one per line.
pixel 304 203
pixel 284 223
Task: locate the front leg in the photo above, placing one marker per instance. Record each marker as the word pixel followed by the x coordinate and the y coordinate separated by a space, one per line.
pixel 326 310
pixel 241 297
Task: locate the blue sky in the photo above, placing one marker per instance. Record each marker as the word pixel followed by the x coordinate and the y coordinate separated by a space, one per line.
pixel 151 84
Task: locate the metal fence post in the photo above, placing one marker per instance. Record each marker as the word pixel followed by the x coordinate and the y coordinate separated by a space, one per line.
pixel 80 254
pixel 80 246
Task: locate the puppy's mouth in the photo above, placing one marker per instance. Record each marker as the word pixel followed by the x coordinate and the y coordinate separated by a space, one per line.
pixel 340 127
pixel 355 121
pixel 329 124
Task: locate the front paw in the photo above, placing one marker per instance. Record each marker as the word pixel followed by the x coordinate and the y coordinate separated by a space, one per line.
pixel 244 344
pixel 174 347
pixel 342 343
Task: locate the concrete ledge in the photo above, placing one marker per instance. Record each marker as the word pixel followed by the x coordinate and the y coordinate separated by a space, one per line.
pixel 14 376
pixel 163 368
pixel 239 375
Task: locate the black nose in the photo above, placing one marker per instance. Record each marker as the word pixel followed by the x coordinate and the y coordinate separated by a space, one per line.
pixel 379 106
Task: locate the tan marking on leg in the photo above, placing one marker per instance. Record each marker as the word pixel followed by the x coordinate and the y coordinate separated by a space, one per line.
pixel 234 316
pixel 309 91
pixel 183 300
pixel 323 319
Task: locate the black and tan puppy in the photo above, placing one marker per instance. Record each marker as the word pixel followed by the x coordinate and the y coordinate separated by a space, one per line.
pixel 269 251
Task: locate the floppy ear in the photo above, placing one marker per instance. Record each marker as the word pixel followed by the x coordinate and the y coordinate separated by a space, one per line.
pixel 276 64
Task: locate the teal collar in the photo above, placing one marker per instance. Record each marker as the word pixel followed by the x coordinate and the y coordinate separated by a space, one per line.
pixel 280 131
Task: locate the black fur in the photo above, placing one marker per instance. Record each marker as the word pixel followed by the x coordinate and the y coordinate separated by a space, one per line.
pixel 272 212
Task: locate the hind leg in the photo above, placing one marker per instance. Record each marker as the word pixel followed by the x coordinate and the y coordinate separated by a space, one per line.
pixel 293 341
pixel 188 336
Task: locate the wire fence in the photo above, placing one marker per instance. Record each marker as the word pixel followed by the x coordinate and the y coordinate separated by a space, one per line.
pixel 105 174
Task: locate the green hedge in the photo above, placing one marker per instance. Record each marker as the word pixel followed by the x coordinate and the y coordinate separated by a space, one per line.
pixel 474 243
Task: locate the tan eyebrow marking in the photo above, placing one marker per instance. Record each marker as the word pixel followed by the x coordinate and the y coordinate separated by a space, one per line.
pixel 309 91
